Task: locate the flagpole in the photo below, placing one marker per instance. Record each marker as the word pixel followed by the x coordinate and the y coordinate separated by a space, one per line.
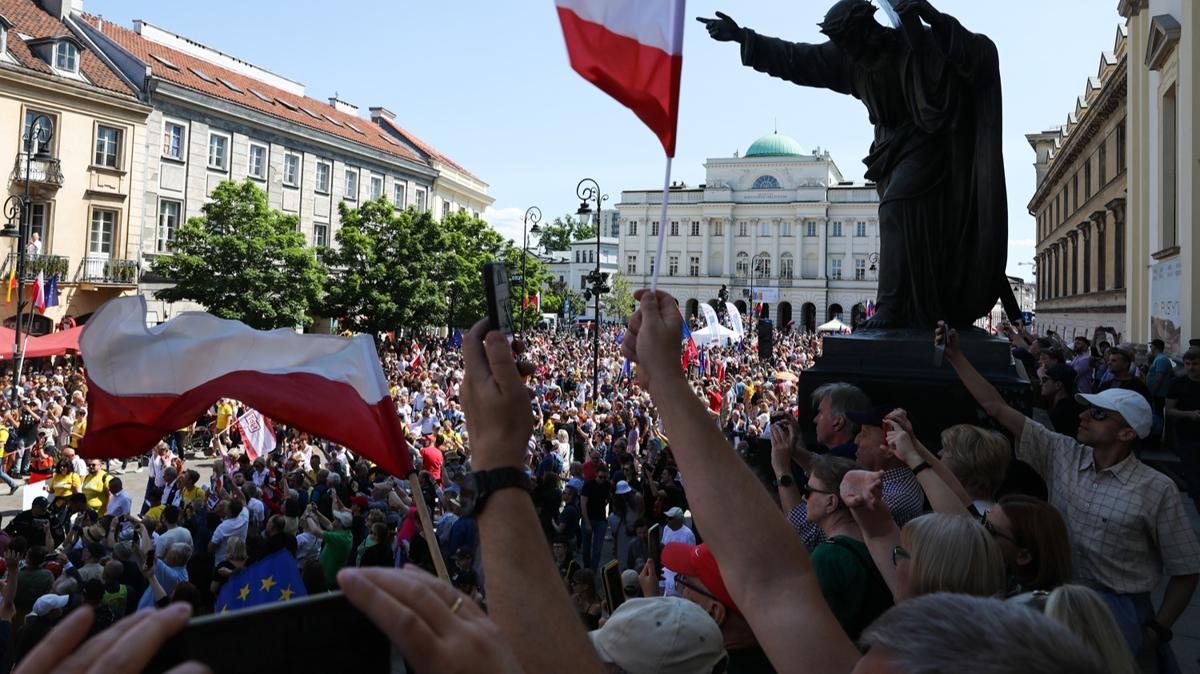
pixel 25 342
pixel 662 226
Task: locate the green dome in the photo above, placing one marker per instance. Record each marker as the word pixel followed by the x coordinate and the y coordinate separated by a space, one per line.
pixel 775 145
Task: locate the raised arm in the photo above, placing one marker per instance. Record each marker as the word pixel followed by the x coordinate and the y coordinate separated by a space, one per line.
pixel 810 65
pixel 980 389
pixel 765 566
pixel 862 492
pixel 940 495
pixel 784 437
pixel 900 417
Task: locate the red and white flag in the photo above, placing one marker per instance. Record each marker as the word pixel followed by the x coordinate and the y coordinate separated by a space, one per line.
pixel 144 383
pixel 258 434
pixel 418 354
pixel 633 50
pixel 38 293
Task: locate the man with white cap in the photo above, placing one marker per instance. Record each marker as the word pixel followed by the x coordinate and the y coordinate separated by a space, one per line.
pixel 675 532
pixel 660 635
pixel 1126 520
pixel 45 614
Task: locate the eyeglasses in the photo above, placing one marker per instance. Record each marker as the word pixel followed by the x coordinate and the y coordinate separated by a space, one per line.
pixel 680 580
pixel 899 553
pixel 996 533
pixel 808 490
pixel 1098 414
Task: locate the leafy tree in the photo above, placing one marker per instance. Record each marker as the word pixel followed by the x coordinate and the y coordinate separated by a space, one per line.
pixel 469 243
pixel 539 278
pixel 387 271
pixel 618 304
pixel 243 261
pixel 558 235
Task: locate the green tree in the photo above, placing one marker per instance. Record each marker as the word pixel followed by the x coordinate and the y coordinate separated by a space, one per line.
pixel 469 244
pixel 558 235
pixel 539 278
pixel 618 304
pixel 387 271
pixel 244 261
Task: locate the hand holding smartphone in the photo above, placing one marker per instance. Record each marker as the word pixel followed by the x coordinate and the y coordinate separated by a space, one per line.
pixel 495 285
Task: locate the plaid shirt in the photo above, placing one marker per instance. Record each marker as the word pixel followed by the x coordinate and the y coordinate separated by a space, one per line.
pixel 1126 523
pixel 901 492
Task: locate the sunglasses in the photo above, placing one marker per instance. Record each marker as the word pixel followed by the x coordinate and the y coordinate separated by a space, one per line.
pixel 996 533
pixel 808 490
pixel 899 553
pixel 681 580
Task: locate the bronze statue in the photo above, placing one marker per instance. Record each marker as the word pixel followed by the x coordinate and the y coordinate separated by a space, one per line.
pixel 932 89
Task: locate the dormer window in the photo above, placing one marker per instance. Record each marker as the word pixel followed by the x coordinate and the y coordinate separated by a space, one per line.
pixel 66 56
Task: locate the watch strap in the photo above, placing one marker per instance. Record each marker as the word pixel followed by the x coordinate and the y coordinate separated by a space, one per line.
pixel 916 470
pixel 491 481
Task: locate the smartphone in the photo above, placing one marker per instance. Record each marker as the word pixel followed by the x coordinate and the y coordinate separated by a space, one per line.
pixel 321 633
pixel 614 591
pixel 495 284
pixel 939 350
pixel 654 543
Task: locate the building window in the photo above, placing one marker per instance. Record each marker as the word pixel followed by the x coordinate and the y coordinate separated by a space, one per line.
pixel 785 229
pixel 786 266
pixel 291 169
pixel 674 228
pixel 718 228
pixel 578 257
pixel 762 266
pixel 108 146
pixel 320 234
pixel 764 228
pixel 352 184
pixel 860 269
pixel 742 266
pixel 810 228
pixel 256 164
pixel 1170 169
pixel 168 224
pixel 837 229
pixel 1121 147
pixel 695 231
pixel 420 199
pixel 860 229
pixel 694 265
pixel 445 209
pixel 630 264
pixel 100 235
pixel 1087 180
pixel 324 175
pixel 632 228
pixel 37 222
pixel 1102 161
pixel 376 187
pixel 218 152
pixel 766 183
pixel 742 228
pixel 654 229
pixel 673 265
pixel 173 140
pixel 1075 192
pixel 66 56
pixel 835 268
pixel 398 194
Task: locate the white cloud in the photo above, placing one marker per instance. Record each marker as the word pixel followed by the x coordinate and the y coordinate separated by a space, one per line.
pixel 507 221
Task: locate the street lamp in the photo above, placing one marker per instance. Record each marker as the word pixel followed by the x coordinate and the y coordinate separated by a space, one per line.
pixel 36 142
pixel 534 214
pixel 588 193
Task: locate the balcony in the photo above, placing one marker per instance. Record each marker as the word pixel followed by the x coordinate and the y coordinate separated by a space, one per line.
pixel 41 172
pixel 49 265
pixel 101 270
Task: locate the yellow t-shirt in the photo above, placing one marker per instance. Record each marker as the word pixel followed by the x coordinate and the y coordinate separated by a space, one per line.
pixel 224 413
pixel 65 485
pixel 3 439
pixel 155 513
pixel 80 427
pixel 95 488
pixel 193 494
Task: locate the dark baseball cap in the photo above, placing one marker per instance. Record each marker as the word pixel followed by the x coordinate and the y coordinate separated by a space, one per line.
pixel 870 417
pixel 1062 373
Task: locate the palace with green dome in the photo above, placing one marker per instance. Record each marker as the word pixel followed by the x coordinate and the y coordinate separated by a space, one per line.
pixel 777 220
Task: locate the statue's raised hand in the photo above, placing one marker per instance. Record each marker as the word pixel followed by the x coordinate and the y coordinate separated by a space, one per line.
pixel 723 28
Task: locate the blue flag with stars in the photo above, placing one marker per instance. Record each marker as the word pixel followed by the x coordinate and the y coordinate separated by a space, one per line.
pixel 272 578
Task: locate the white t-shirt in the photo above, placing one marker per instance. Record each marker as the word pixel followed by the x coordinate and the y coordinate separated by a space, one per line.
pixel 230 528
pixel 669 535
pixel 164 541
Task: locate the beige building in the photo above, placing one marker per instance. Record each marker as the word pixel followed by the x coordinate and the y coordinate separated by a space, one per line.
pixel 86 202
pixel 1164 170
pixel 1079 205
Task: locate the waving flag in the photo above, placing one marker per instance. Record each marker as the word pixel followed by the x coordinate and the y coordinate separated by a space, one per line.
pixel 144 383
pixel 456 340
pixel 11 286
pixel 633 51
pixel 37 293
pixel 52 291
pixel 258 434
pixel 271 579
pixel 420 354
pixel 689 350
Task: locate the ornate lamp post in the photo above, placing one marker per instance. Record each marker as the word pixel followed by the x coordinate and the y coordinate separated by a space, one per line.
pixel 597 279
pixel 18 215
pixel 532 214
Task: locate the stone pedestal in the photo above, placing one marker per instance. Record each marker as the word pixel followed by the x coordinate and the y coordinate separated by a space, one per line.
pixel 896 367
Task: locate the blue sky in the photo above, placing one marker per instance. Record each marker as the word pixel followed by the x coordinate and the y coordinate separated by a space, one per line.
pixel 488 84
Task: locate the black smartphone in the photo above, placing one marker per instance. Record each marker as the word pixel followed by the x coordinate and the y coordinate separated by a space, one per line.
pixel 939 350
pixel 614 591
pixel 322 633
pixel 495 284
pixel 654 543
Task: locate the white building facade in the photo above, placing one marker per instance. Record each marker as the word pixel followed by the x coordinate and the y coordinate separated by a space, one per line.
pixel 572 266
pixel 778 222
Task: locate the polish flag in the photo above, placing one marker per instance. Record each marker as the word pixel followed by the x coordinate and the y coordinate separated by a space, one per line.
pixel 258 434
pixel 633 50
pixel 144 383
pixel 420 354
pixel 38 293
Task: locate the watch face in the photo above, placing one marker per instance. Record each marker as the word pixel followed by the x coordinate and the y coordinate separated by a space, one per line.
pixel 786 481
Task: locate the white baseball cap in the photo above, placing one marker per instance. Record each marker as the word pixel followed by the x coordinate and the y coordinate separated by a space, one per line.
pixel 660 635
pixel 49 602
pixel 623 487
pixel 1131 405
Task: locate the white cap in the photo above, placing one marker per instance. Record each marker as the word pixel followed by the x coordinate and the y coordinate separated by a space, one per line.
pixel 49 602
pixel 623 487
pixel 674 512
pixel 1131 405
pixel 660 635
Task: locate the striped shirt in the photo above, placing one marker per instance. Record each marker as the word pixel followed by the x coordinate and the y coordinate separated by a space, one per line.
pixel 901 492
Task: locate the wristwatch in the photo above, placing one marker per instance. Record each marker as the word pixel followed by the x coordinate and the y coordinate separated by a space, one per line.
pixel 786 480
pixel 483 483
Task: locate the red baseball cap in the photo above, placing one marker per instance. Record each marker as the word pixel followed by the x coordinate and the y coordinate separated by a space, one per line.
pixel 698 562
pixel 360 501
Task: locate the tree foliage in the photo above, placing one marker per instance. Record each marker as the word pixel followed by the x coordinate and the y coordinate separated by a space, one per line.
pixel 618 304
pixel 243 261
pixel 558 235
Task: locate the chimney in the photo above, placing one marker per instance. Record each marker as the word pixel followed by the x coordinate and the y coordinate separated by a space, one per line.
pixel 378 112
pixel 342 106
pixel 61 9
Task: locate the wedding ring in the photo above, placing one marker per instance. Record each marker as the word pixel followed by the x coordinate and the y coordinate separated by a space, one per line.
pixel 458 602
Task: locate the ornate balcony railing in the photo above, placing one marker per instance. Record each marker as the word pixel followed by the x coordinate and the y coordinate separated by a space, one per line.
pixel 106 270
pixel 40 171
pixel 49 265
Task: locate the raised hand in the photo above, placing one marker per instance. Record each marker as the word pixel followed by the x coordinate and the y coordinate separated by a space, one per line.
pixel 900 443
pixel 654 337
pixel 783 438
pixel 900 416
pixel 862 489
pixel 495 399
pixel 723 28
pixel 948 337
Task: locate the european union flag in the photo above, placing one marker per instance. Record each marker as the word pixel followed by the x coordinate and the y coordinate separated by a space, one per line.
pixel 270 579
pixel 456 340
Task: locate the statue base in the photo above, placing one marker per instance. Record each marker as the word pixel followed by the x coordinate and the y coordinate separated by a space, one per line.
pixel 896 367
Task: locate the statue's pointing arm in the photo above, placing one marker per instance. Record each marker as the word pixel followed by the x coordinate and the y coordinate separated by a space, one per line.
pixel 811 65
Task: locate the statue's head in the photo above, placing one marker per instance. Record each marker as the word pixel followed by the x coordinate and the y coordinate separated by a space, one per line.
pixel 851 24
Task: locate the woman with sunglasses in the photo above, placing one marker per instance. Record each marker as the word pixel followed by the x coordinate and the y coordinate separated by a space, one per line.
pixel 95 485
pixel 65 481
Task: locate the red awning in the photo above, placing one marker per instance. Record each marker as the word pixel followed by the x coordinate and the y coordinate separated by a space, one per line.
pixel 53 344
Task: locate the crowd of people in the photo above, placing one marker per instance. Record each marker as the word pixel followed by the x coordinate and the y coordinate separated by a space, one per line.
pixel 1031 544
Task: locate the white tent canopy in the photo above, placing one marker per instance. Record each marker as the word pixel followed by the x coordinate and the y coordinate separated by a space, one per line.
pixel 834 326
pixel 714 334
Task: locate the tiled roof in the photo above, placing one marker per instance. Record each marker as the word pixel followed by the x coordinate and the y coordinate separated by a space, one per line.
pixel 28 18
pixel 213 80
pixel 427 149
